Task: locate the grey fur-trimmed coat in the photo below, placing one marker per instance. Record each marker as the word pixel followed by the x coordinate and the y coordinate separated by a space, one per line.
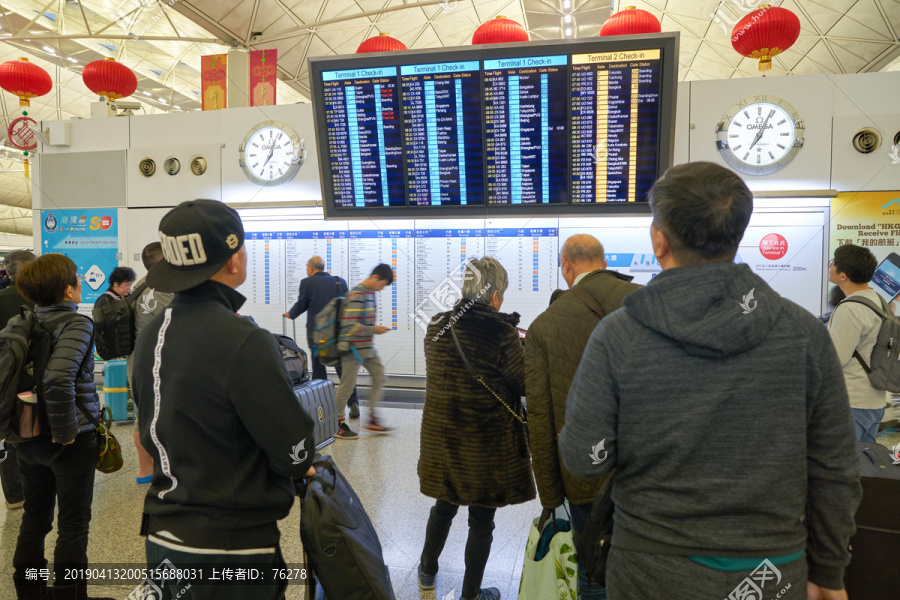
pixel 472 449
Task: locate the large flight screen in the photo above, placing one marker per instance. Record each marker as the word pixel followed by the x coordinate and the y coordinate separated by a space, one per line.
pixel 442 133
pixel 525 135
pixel 558 127
pixel 364 138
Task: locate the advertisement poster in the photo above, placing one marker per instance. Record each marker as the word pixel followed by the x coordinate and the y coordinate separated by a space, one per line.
pixel 263 77
pixel 214 81
pixel 872 220
pixel 90 237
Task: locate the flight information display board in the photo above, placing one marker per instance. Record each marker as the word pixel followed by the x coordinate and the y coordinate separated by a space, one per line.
pixel 615 122
pixel 442 133
pixel 525 129
pixel 561 127
pixel 364 137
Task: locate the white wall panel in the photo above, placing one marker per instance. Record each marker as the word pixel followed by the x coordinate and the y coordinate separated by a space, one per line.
pixel 162 189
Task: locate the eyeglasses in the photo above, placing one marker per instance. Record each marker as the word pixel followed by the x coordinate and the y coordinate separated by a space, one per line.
pixel 830 263
pixel 82 277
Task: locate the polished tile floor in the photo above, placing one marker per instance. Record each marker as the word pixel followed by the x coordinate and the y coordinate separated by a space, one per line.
pixel 382 470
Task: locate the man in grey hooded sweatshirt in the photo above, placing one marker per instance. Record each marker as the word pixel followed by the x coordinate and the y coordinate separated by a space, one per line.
pixel 723 410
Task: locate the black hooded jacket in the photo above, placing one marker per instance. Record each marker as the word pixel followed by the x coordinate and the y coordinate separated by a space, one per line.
pixel 220 419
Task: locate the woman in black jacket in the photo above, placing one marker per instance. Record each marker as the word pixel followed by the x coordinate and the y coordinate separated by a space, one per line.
pixel 120 282
pixel 58 466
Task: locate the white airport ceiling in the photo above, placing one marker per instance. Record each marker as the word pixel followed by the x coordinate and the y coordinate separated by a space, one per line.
pixel 162 41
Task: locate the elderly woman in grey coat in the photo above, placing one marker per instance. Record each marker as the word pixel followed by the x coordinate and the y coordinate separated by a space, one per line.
pixel 474 445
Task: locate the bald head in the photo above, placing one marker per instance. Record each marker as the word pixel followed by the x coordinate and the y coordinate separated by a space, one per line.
pixel 314 265
pixel 581 253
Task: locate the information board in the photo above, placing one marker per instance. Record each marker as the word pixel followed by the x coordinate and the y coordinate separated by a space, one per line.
pixel 442 133
pixel 525 120
pixel 364 140
pixel 615 125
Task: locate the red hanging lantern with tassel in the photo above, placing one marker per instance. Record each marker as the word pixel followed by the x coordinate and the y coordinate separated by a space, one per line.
pixel 109 78
pixel 499 31
pixel 765 33
pixel 25 80
pixel 381 43
pixel 631 21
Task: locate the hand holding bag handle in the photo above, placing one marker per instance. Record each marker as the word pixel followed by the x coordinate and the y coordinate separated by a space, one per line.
pixel 480 379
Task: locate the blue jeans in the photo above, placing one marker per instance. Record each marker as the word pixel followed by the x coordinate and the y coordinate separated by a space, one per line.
pixel 49 472
pixel 10 478
pixel 590 590
pixel 866 422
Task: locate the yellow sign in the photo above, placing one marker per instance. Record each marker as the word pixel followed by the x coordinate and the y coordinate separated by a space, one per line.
pixel 610 57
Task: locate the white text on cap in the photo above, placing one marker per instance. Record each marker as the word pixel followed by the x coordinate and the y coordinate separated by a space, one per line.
pixel 183 250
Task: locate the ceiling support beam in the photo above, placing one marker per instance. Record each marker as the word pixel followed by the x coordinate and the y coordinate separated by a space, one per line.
pixel 97 36
pixel 289 33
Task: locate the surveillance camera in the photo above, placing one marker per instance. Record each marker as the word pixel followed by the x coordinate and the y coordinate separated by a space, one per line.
pixel 122 105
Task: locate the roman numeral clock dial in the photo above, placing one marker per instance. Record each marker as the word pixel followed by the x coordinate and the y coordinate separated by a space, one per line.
pixel 271 153
pixel 760 135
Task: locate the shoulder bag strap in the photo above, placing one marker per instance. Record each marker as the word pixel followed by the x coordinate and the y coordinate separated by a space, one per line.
pixel 480 379
pixel 585 296
pixel 871 305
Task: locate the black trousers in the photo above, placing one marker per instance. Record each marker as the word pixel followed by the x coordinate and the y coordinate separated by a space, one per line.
pixel 50 472
pixel 478 546
pixel 319 372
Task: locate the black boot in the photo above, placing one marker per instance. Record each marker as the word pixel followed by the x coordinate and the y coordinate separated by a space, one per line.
pixel 27 589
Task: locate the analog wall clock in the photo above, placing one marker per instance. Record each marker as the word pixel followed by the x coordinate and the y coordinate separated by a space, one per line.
pixel 271 153
pixel 760 135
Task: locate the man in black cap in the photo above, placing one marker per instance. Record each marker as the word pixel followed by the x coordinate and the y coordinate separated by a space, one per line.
pixel 217 413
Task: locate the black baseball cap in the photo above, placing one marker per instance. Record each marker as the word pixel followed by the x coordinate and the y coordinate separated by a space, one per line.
pixel 198 237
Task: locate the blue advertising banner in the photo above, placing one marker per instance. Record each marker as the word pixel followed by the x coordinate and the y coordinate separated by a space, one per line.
pixel 90 237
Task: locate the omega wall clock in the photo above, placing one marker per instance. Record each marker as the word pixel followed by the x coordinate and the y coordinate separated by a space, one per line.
pixel 760 135
pixel 271 153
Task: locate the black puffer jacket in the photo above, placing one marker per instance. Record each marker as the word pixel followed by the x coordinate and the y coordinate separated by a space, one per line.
pixel 473 450
pixel 63 378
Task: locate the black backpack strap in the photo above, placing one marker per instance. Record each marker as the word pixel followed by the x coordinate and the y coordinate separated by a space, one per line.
pixel 585 296
pixel 881 313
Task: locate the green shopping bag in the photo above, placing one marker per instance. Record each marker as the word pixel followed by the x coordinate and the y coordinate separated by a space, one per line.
pixel 550 568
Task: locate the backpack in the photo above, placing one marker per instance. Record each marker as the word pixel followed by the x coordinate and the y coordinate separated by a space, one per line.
pixel 294 359
pixel 25 347
pixel 883 367
pixel 327 329
pixel 114 325
pixel 341 544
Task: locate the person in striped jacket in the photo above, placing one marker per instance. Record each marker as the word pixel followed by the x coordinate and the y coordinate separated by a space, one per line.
pixel 358 330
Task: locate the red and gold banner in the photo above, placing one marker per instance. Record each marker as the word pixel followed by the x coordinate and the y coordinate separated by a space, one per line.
pixel 263 77
pixel 214 81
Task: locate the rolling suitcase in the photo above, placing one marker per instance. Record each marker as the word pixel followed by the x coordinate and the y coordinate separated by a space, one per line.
pixel 874 571
pixel 317 398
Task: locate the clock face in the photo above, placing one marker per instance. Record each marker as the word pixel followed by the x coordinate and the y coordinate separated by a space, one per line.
pixel 271 154
pixel 760 137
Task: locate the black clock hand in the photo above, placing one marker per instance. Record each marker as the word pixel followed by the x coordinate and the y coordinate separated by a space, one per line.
pixel 759 134
pixel 271 152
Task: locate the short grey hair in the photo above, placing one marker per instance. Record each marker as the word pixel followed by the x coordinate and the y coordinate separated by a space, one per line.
pixel 577 251
pixel 316 263
pixel 16 259
pixel 482 277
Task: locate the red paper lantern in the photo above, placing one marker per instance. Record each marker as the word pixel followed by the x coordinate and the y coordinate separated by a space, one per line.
pixel 765 33
pixel 499 31
pixel 109 78
pixel 631 21
pixel 25 80
pixel 381 43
